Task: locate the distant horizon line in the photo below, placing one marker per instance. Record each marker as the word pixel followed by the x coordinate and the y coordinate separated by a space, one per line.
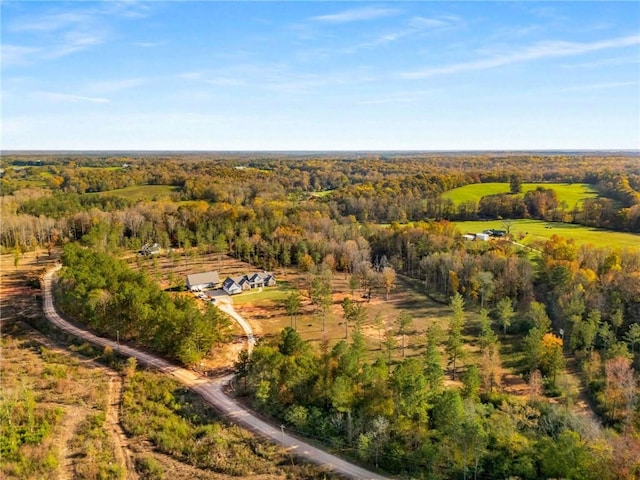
pixel 314 151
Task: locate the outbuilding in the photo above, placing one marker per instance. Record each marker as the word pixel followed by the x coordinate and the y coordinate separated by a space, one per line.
pixel 200 281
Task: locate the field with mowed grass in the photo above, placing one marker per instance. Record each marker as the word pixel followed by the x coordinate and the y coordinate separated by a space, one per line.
pixel 143 192
pixel 275 294
pixel 572 193
pixel 529 231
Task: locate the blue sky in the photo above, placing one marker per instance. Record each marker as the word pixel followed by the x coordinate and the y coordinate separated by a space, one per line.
pixel 320 75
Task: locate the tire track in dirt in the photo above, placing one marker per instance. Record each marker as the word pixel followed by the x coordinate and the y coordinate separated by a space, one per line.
pixel 70 424
pixel 75 414
pixel 118 437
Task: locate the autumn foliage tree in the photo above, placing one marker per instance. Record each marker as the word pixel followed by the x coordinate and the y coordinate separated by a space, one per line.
pixel 454 344
pixel 552 360
pixel 620 392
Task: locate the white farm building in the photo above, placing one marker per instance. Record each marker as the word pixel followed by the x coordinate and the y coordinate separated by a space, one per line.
pixel 200 281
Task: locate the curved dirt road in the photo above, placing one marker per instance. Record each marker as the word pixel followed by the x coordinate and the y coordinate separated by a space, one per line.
pixel 212 391
pixel 227 307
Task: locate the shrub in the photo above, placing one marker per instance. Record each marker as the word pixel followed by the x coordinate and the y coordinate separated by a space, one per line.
pixel 149 468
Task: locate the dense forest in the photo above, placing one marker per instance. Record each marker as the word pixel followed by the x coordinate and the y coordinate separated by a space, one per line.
pixel 558 302
pixel 44 197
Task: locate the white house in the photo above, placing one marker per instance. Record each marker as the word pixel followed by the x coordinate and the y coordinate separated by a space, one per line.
pixel 244 282
pixel 200 281
pixel 256 280
pixel 150 249
pixel 232 285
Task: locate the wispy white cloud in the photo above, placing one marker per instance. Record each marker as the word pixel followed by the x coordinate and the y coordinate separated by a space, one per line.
pixel 606 62
pixel 72 42
pixel 549 12
pixel 308 82
pixel 416 26
pixel 148 44
pixel 17 54
pixel 127 8
pixel 510 33
pixel 384 39
pixel 399 97
pixel 69 97
pixel 277 77
pixel 357 15
pixel 434 22
pixel 597 86
pixel 235 76
pixel 110 86
pixel 57 34
pixel 50 23
pixel 191 75
pixel 538 51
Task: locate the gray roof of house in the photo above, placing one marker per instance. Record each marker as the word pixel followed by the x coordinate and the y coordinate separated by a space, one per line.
pixel 203 278
pixel 231 280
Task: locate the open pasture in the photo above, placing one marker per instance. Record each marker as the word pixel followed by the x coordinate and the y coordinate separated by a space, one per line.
pixel 571 193
pixel 143 192
pixel 529 231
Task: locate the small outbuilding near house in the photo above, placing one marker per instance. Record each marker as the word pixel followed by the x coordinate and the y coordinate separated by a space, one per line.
pixel 200 281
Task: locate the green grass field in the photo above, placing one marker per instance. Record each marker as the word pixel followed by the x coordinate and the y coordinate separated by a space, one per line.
pixel 143 192
pixel 571 193
pixel 321 194
pixel 535 230
pixel 275 294
pixel 88 169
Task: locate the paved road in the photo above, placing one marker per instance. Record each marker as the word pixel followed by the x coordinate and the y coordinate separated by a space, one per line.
pixel 213 392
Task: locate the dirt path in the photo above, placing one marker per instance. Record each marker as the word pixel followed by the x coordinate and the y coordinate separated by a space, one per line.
pixel 582 405
pixel 69 425
pixel 120 441
pixel 18 301
pixel 74 415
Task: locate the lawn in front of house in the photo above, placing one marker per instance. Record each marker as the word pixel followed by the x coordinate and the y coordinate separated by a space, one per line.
pixel 277 293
